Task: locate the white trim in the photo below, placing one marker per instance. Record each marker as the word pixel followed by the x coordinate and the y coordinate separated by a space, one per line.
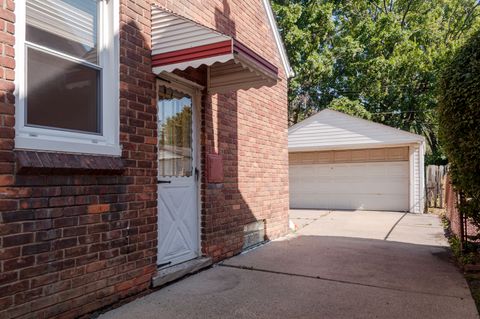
pixel 348 146
pixel 198 162
pixel 35 138
pixel 417 197
pixel 66 145
pixel 62 55
pixel 278 39
pixel 422 177
pixel 411 179
pixel 194 90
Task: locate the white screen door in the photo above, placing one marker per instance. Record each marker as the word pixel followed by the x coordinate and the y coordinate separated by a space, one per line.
pixel 178 222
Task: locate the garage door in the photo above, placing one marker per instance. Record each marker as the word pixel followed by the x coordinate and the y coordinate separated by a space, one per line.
pixel 366 186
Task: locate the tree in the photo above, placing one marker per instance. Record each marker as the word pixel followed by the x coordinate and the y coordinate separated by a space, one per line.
pixel 384 54
pixel 347 106
pixel 459 114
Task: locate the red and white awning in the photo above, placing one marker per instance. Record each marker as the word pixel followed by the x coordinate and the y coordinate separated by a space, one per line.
pixel 179 43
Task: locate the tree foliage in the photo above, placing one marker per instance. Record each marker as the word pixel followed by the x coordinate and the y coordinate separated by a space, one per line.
pixel 459 117
pixel 347 106
pixel 385 55
pixel 176 130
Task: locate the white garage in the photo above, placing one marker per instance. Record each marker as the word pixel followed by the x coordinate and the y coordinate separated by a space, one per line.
pixel 342 162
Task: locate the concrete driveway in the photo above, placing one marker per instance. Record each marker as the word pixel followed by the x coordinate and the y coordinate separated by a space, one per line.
pixel 336 265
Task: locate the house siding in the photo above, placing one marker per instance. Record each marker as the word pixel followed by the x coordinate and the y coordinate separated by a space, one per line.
pixel 72 242
pixel 333 130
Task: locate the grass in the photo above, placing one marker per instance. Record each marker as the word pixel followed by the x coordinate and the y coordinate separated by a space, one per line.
pixel 470 256
pixel 473 281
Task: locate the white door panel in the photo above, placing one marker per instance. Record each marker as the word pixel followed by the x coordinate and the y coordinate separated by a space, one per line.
pixel 368 186
pixel 176 223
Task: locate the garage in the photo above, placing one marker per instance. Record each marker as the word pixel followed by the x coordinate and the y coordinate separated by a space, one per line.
pixel 337 161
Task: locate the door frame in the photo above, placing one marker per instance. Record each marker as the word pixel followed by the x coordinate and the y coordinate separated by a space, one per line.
pixel 193 89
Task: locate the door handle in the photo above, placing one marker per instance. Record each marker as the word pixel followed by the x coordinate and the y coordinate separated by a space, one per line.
pixel 163 182
pixel 197 173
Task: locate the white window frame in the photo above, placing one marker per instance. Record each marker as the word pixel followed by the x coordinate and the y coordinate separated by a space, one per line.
pixel 57 140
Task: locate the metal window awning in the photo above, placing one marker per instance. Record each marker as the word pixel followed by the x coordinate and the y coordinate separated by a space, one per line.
pixel 179 43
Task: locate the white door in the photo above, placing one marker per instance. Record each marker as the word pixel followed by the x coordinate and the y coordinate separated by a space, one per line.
pixel 363 186
pixel 178 220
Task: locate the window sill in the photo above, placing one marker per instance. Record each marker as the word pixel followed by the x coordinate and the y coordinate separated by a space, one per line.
pixel 56 144
pixel 34 162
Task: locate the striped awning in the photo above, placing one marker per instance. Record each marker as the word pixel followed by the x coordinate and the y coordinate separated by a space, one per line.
pixel 179 43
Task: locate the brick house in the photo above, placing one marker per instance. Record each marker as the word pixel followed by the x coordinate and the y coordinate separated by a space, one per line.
pixel 135 135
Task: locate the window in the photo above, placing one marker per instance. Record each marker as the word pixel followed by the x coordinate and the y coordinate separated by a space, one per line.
pixel 67 91
pixel 175 149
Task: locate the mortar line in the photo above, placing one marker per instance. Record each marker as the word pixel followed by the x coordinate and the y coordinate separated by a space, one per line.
pixel 336 281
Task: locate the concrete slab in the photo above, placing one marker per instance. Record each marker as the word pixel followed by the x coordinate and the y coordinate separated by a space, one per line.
pixel 337 265
pixel 354 224
pixel 419 229
pixel 380 263
pixel 233 293
pixel 394 226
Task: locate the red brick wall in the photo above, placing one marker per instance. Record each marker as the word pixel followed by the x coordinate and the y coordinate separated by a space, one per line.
pixel 249 129
pixel 453 215
pixel 72 243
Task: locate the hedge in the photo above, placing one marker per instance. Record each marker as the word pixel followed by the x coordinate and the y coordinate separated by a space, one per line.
pixel 459 116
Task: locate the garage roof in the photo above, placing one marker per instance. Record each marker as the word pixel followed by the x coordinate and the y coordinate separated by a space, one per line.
pixel 330 129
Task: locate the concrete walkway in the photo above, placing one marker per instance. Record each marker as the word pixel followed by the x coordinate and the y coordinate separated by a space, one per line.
pixel 390 226
pixel 337 265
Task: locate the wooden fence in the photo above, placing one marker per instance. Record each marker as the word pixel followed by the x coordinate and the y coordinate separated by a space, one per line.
pixel 435 188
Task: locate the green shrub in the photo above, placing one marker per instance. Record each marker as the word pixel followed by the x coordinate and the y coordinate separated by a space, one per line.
pixel 469 256
pixel 459 116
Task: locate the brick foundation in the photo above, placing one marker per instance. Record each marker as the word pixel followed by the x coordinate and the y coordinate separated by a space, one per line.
pixel 76 238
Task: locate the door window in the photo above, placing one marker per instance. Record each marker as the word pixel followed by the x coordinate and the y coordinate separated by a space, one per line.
pixel 175 152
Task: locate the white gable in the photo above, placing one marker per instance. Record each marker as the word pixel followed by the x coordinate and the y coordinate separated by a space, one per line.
pixel 330 129
pixel 278 39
